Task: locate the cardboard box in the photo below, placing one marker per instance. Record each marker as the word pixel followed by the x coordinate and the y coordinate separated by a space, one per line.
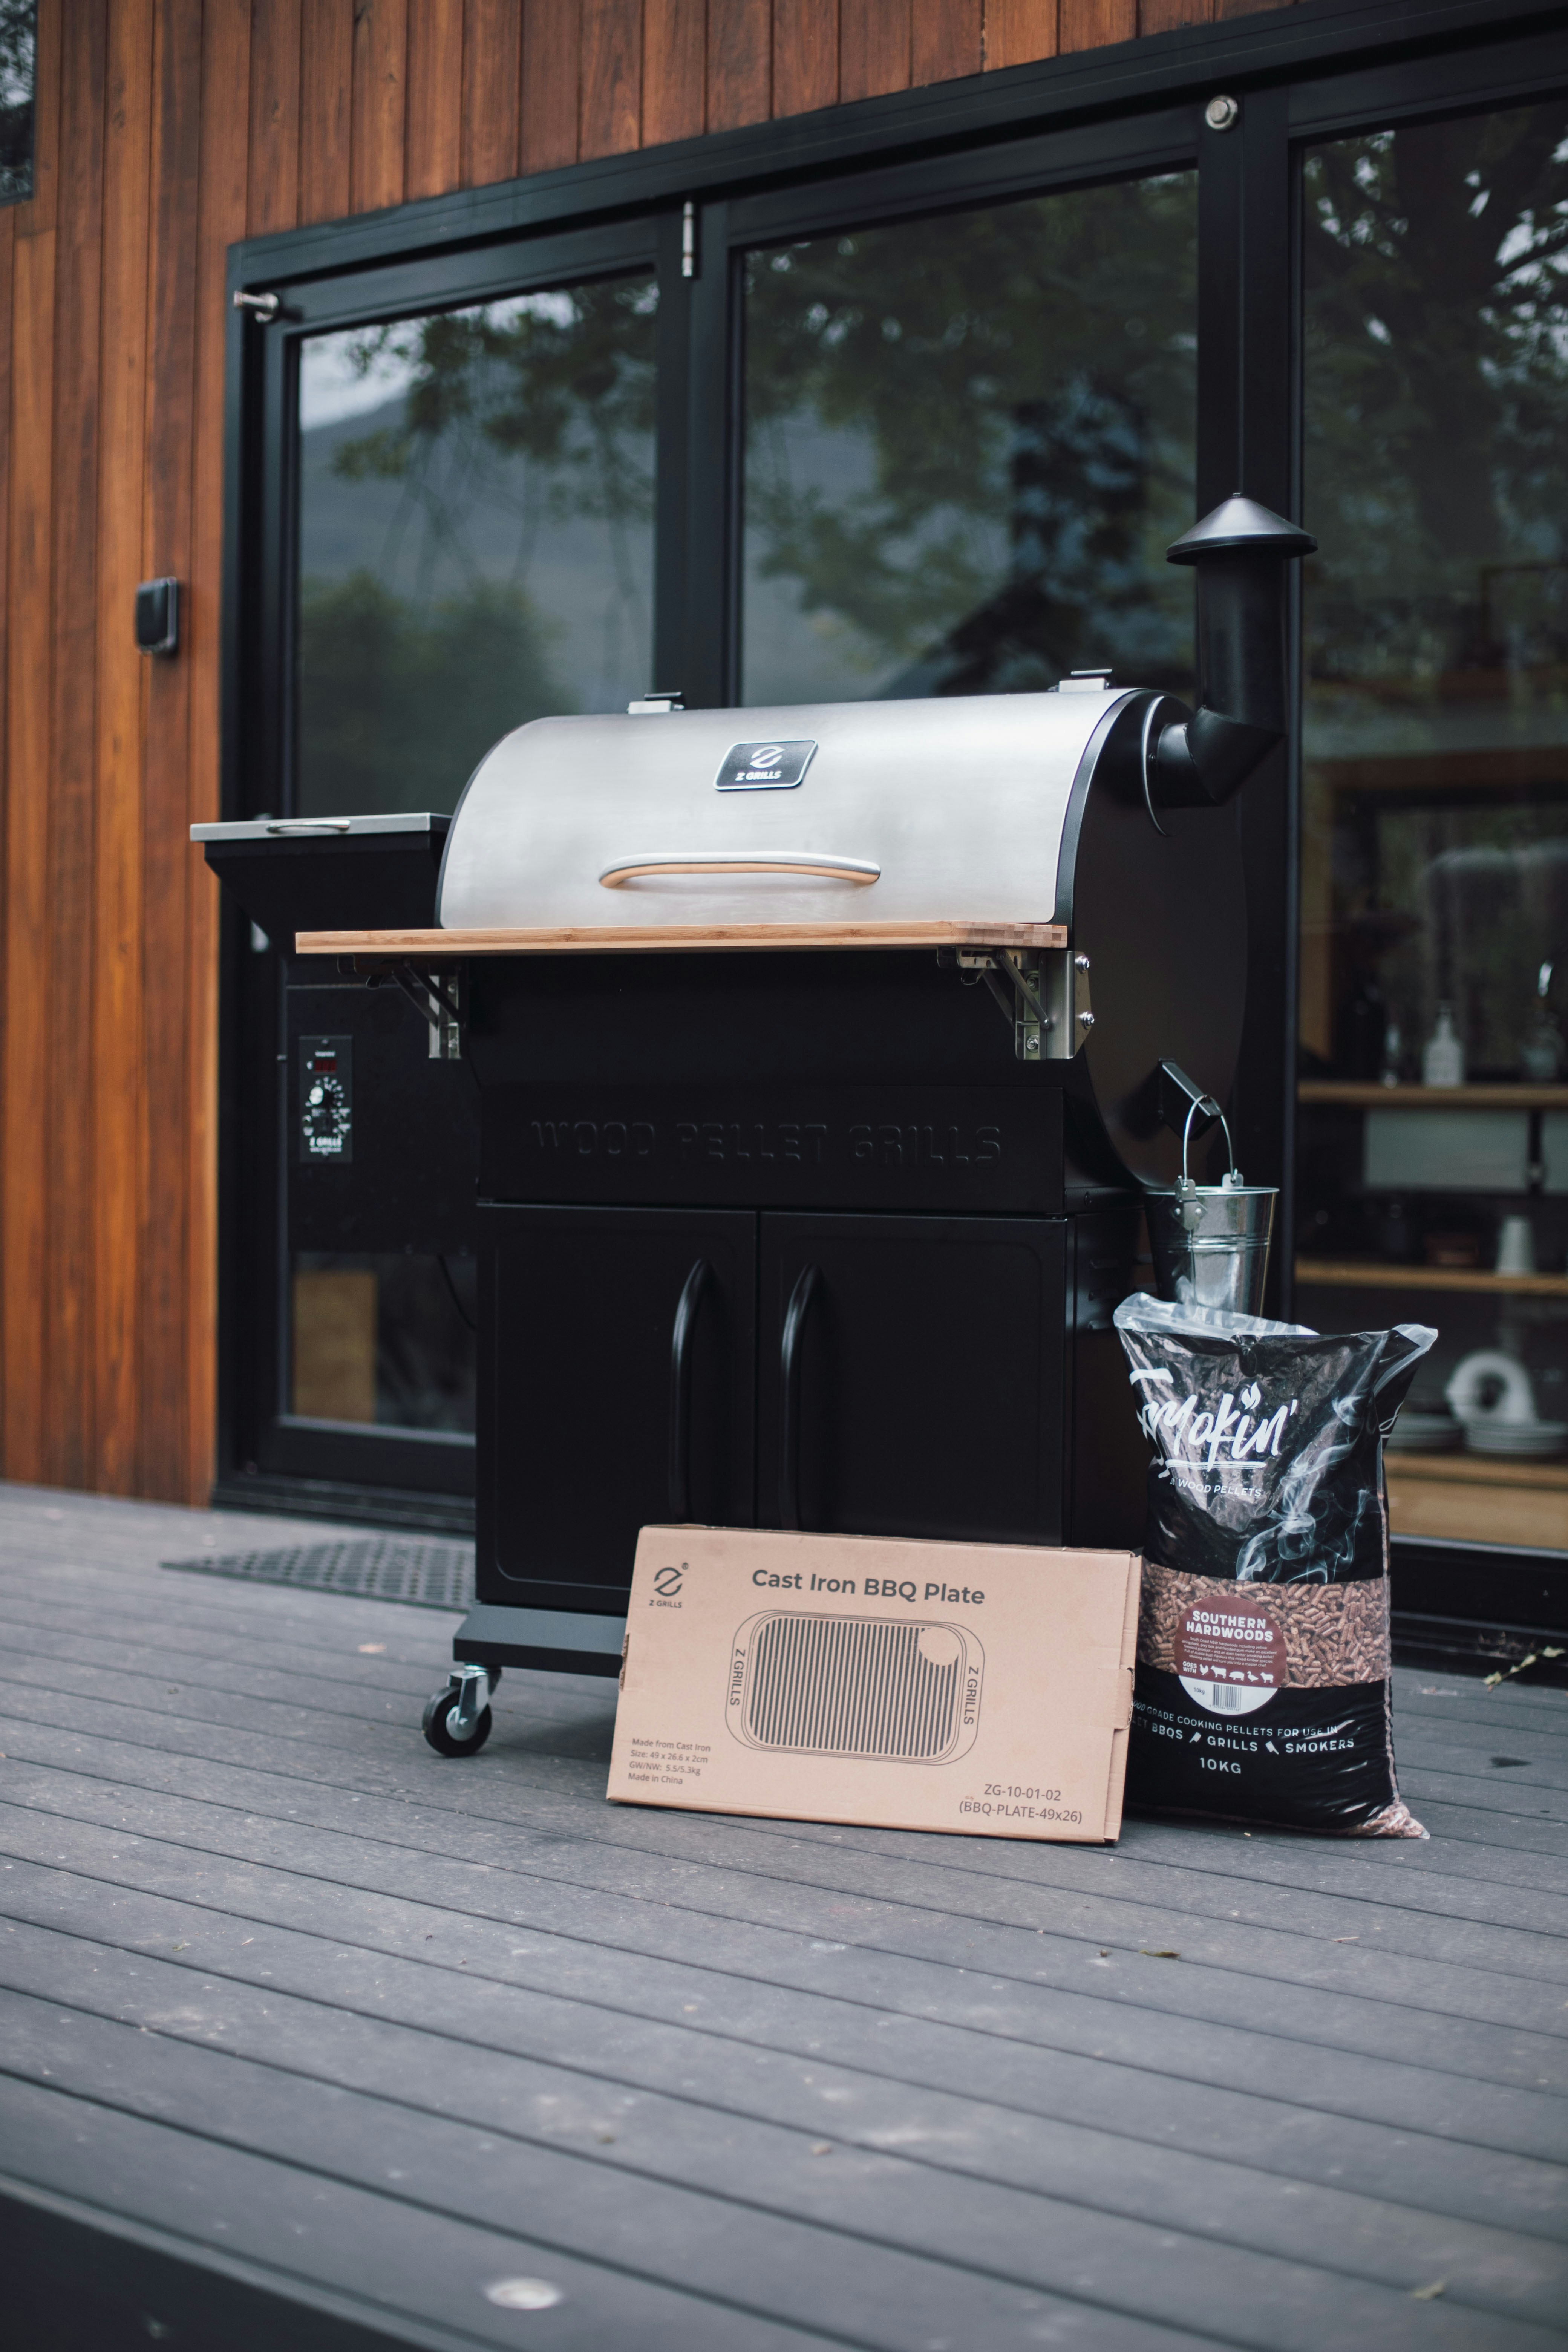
pixel 978 1687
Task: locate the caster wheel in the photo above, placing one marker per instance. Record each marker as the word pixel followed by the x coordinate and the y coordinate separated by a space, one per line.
pixel 437 1725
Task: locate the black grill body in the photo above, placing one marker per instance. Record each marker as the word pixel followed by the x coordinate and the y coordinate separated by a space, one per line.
pixel 797 1238
pixel 793 1237
pixel 739 1120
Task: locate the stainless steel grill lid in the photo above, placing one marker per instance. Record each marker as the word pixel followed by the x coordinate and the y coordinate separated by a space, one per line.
pixel 889 811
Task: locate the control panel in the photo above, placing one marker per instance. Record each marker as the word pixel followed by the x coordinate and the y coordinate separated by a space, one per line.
pixel 326 1098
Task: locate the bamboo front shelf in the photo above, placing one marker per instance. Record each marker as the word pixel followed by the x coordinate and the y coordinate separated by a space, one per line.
pixel 1356 1273
pixel 437 947
pixel 1368 1094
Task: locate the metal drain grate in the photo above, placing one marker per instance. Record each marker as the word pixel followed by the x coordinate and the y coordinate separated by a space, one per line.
pixel 379 1568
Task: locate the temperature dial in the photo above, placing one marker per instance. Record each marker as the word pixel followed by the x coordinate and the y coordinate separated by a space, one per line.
pixel 328 1118
pixel 326 1098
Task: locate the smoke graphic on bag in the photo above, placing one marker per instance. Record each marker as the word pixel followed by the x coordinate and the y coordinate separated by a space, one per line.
pixel 1262 1686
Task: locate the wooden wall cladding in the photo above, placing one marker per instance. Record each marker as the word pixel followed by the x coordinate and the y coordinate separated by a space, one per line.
pixel 166 130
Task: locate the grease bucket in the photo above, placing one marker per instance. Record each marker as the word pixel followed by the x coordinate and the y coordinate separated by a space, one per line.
pixel 1210 1242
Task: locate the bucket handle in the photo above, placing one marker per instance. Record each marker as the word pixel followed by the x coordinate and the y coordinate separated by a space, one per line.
pixel 1210 1110
pixel 1190 1208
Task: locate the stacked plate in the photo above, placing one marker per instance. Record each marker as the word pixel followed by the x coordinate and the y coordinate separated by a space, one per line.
pixel 1517 1441
pixel 1415 1431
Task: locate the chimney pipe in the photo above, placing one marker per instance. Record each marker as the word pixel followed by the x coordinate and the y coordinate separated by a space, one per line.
pixel 1240 551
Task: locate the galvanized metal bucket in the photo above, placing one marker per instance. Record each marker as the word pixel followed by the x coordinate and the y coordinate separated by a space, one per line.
pixel 1210 1242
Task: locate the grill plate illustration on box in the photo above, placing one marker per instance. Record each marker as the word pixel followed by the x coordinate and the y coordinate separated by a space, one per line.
pixel 879 1689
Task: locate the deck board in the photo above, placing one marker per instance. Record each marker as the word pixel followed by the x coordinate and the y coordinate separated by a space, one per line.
pixel 1461 1971
pixel 287 1993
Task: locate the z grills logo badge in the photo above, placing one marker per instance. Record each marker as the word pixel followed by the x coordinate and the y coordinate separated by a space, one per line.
pixel 764 767
pixel 666 1580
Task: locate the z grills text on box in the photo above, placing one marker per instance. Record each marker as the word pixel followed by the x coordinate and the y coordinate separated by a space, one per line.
pixel 819 1063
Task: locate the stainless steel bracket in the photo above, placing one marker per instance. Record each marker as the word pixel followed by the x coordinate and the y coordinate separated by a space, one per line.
pixel 445 1016
pixel 436 998
pixel 1044 1000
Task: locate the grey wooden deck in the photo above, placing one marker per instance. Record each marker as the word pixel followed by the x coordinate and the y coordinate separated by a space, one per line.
pixel 290 2007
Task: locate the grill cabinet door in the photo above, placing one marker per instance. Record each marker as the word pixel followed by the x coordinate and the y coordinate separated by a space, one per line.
pixel 621 1347
pixel 916 1387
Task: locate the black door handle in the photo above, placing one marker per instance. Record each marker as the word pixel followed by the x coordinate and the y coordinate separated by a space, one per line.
pixel 795 1313
pixel 680 1389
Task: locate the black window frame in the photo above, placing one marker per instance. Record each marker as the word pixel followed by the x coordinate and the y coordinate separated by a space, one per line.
pixel 1322 70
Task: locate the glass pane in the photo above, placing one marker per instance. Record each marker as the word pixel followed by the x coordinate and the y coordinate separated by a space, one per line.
pixel 1434 847
pixel 385 1339
pixel 18 64
pixel 969 442
pixel 476 536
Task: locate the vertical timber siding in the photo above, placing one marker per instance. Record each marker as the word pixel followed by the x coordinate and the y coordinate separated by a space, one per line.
pixel 166 130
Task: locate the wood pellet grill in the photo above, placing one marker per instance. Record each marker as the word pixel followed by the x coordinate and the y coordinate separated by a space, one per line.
pixel 821 1065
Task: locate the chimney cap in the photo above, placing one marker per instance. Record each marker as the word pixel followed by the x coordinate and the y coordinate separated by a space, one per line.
pixel 1240 523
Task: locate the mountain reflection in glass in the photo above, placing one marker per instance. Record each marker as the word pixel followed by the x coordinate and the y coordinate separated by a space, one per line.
pixel 476 536
pixel 969 441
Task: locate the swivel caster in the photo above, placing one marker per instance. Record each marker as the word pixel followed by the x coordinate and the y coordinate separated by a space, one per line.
pixel 457 1720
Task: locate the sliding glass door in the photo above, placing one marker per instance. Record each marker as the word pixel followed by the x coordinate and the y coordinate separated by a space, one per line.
pixel 1433 1139
pixel 461 496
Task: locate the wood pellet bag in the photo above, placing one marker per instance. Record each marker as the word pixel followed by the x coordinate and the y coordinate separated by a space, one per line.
pixel 1262 1684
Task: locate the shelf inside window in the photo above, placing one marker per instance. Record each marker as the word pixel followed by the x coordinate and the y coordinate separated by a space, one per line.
pixel 1476 1470
pixel 1362 1274
pixel 1460 1499
pixel 1369 1094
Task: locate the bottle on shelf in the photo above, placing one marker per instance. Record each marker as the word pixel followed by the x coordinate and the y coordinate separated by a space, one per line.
pixel 1443 1056
pixel 1516 1246
pixel 1541 1054
pixel 1393 1055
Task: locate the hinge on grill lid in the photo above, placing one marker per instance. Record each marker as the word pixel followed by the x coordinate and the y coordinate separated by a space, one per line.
pixel 1044 997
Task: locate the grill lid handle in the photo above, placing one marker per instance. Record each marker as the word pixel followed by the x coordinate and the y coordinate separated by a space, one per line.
pixel 310 825
pixel 811 865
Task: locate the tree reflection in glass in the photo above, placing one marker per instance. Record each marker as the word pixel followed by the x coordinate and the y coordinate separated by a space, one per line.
pixel 1435 720
pixel 969 441
pixel 1435 817
pixel 476 536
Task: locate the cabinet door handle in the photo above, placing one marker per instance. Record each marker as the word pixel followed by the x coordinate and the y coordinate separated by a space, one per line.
pixel 680 1389
pixel 795 1313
